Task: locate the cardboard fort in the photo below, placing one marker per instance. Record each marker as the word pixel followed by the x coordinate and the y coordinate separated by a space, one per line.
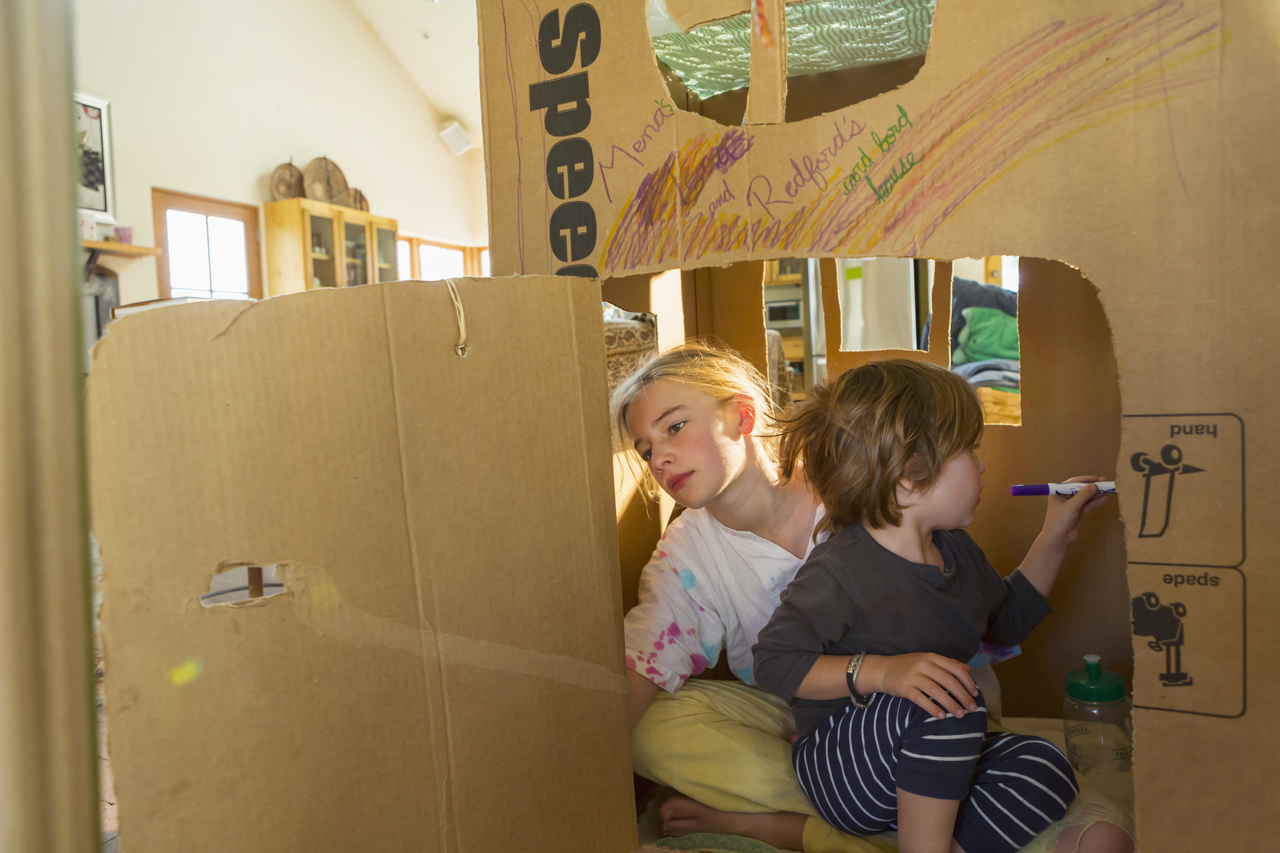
pixel 1134 141
pixel 444 669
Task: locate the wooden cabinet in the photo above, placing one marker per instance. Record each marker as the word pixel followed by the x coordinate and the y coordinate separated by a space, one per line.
pixel 312 244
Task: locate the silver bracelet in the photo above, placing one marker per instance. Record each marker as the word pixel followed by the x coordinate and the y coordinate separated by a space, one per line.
pixel 851 676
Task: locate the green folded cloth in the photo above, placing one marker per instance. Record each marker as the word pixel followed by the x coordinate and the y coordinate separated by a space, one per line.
pixel 987 333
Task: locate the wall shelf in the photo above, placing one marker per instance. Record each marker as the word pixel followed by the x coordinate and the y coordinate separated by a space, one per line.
pixel 124 250
pixel 98 248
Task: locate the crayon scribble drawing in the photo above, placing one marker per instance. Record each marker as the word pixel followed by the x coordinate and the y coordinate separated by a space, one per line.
pixel 1062 79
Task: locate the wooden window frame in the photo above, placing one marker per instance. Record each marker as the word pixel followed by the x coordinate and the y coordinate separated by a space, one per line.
pixel 162 201
pixel 470 255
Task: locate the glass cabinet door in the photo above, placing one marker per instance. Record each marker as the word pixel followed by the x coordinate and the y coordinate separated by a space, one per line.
pixel 387 259
pixel 357 246
pixel 323 254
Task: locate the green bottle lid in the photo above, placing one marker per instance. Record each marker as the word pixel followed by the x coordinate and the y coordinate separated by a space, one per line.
pixel 1094 684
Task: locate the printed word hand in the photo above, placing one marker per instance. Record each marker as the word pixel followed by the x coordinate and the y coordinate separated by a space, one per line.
pixel 1062 517
pixel 937 684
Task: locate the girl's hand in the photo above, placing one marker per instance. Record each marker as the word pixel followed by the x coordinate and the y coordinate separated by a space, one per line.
pixel 1062 516
pixel 937 684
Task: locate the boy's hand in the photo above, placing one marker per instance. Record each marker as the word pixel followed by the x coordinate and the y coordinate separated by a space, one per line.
pixel 1062 516
pixel 937 684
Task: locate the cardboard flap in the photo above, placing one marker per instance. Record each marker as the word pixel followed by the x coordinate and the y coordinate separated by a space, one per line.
pixel 443 528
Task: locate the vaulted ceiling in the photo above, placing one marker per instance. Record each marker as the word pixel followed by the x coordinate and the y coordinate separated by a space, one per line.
pixel 437 44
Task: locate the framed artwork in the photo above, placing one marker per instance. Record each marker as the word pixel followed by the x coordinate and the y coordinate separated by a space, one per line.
pixel 95 186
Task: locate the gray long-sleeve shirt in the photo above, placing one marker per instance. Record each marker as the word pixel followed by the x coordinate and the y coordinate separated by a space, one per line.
pixel 854 595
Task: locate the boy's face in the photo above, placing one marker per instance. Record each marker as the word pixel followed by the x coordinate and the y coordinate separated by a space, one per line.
pixel 691 442
pixel 952 501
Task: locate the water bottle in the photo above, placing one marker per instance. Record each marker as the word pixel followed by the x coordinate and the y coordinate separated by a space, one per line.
pixel 1098 724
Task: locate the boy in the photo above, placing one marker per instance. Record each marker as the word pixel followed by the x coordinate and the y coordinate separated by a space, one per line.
pixel 889 448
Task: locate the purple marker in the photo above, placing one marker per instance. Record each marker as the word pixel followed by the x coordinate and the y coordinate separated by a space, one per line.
pixel 1105 487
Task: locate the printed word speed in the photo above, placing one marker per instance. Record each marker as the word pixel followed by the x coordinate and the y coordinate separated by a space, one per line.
pixel 571 164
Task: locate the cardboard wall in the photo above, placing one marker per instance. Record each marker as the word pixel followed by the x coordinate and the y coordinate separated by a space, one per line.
pixel 1070 425
pixel 1131 140
pixel 444 668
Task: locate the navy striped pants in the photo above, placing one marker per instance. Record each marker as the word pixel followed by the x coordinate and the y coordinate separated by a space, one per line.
pixel 1010 787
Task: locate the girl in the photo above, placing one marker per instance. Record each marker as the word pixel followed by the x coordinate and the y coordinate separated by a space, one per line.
pixel 890 448
pixel 697 420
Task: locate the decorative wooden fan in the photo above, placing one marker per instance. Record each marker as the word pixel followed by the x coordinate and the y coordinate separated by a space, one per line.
pixel 286 182
pixel 358 201
pixel 324 181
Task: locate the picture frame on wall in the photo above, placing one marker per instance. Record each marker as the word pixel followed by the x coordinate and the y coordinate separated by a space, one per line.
pixel 95 181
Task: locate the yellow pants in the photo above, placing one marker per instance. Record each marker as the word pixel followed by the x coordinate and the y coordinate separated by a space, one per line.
pixel 724 744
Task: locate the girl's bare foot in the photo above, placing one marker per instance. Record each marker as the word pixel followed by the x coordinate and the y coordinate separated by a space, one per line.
pixel 681 816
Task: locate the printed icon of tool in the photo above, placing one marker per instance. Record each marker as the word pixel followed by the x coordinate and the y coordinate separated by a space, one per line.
pixel 1163 624
pixel 1158 480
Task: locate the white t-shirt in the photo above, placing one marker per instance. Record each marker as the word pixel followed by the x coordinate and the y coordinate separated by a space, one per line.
pixel 706 588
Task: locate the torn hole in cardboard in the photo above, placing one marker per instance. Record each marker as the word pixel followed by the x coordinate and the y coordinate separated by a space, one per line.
pixel 243 584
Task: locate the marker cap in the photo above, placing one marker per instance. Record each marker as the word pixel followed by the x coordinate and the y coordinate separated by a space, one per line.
pixel 1029 491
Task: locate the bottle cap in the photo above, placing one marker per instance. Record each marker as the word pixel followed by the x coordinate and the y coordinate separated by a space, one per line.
pixel 1095 684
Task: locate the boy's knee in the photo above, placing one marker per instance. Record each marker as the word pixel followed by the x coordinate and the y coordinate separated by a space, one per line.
pixel 1054 773
pixel 921 723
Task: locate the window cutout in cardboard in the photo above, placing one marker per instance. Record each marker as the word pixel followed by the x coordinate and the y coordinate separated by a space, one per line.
pixel 985 348
pixel 240 584
pixel 886 304
pixel 795 328
pixel 822 36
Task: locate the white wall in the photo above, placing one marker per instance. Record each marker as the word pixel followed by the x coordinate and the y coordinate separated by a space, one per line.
pixel 208 98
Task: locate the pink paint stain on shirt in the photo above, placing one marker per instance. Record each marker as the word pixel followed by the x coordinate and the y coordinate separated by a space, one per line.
pixel 699 663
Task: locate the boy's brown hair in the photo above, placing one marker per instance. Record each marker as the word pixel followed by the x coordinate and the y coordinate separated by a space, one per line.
pixel 857 436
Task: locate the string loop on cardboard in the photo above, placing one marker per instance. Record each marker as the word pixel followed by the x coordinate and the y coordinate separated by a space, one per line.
pixel 461 348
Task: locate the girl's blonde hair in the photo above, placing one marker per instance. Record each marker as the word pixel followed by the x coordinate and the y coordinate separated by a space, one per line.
pixel 716 371
pixel 863 432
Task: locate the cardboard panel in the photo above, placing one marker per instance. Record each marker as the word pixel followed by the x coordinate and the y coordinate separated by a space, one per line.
pixel 882 177
pixel 1070 425
pixel 449 558
pixel 1131 140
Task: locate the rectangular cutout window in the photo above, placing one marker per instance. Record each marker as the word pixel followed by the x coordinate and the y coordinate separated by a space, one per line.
pixel 984 334
pixel 885 304
pixel 795 325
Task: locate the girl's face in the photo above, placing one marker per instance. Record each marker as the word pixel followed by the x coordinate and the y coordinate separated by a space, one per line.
pixel 952 501
pixel 692 443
